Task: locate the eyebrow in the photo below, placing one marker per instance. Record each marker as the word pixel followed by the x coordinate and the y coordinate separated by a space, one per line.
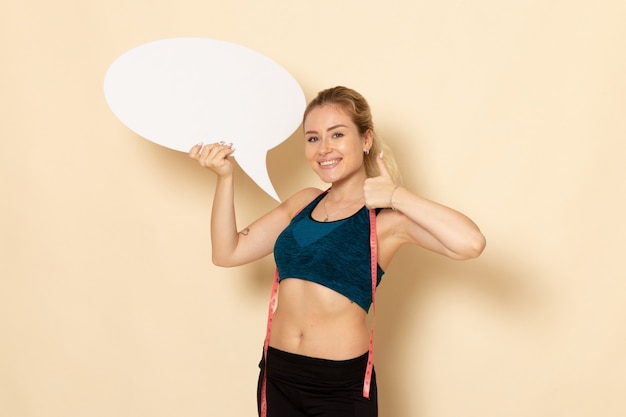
pixel 328 130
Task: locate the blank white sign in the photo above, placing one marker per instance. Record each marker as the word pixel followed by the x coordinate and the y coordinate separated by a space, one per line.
pixel 182 91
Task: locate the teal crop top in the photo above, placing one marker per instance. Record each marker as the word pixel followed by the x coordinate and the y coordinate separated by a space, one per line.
pixel 334 254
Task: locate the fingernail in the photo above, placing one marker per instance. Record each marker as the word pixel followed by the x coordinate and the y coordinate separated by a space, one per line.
pixel 381 154
pixel 221 142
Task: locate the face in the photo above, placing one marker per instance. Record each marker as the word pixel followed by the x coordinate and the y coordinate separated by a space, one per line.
pixel 334 147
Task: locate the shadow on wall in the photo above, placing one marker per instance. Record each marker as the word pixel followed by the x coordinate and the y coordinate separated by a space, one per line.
pixel 408 298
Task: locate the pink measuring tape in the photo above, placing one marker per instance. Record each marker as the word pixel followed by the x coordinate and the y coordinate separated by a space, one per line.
pixel 370 356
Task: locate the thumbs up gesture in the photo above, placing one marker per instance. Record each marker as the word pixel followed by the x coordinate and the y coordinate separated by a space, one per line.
pixel 378 191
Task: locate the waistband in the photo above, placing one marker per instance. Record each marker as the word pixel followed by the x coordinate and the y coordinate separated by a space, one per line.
pixel 306 366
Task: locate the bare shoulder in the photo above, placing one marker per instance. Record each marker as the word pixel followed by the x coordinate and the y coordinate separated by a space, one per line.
pixel 274 221
pixel 299 200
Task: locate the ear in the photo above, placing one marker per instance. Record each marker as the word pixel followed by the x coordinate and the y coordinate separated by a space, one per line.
pixel 368 139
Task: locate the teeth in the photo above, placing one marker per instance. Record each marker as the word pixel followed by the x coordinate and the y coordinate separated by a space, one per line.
pixel 326 163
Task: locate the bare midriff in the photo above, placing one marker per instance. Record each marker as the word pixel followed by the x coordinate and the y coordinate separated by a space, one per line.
pixel 315 321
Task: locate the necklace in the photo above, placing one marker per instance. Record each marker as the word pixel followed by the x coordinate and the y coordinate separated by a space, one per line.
pixel 338 210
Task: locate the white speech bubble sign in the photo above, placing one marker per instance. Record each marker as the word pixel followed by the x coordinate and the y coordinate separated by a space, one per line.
pixel 181 91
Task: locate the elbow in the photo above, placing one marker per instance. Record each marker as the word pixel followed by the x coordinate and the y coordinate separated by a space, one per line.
pixel 222 261
pixel 478 245
pixel 219 263
pixel 473 248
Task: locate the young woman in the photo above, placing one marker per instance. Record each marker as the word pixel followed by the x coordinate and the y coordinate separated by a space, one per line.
pixel 316 361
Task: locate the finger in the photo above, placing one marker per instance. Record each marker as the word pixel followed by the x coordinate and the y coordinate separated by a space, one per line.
pixel 194 152
pixel 224 150
pixel 215 152
pixel 209 150
pixel 224 153
pixel 382 168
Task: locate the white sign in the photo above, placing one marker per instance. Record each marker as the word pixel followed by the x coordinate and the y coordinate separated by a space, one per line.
pixel 182 91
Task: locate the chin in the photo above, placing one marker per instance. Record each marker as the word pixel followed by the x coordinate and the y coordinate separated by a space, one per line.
pixel 325 176
pixel 325 179
pixel 331 178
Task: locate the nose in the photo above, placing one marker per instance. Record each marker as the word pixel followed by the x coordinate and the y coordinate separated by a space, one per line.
pixel 325 147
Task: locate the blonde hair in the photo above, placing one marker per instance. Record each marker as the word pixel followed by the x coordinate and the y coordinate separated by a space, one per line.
pixel 357 108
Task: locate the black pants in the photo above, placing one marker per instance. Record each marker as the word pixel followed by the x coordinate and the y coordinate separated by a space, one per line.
pixel 301 386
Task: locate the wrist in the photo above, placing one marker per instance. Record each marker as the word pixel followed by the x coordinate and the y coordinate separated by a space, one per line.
pixel 393 192
pixel 225 177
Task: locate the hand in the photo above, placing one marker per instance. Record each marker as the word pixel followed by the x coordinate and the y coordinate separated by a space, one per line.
pixel 378 190
pixel 215 157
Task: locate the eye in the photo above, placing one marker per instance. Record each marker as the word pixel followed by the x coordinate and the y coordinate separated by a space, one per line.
pixel 337 135
pixel 312 139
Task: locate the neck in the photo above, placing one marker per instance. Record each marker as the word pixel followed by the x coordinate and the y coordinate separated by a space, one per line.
pixel 338 195
pixel 347 190
pixel 341 206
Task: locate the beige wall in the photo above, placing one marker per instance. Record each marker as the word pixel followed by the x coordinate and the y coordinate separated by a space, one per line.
pixel 510 111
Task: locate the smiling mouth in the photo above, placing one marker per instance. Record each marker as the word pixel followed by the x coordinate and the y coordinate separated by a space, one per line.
pixel 329 163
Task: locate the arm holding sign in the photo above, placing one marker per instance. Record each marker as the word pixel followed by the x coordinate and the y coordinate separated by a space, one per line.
pixel 230 247
pixel 223 222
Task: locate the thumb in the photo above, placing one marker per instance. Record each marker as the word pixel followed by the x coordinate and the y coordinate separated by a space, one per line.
pixel 382 168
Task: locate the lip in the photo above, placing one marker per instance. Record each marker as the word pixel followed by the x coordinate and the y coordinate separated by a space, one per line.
pixel 329 163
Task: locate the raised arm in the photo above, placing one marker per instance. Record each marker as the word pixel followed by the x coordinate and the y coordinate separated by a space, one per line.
pixel 231 247
pixel 417 220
